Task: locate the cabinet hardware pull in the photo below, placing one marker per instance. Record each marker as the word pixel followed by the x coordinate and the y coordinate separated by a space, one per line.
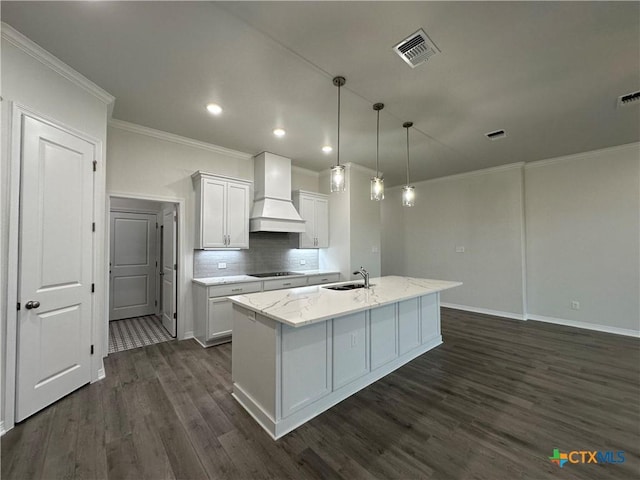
pixel 236 289
pixel 286 284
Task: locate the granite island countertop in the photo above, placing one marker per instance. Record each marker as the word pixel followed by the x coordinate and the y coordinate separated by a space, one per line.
pixel 306 305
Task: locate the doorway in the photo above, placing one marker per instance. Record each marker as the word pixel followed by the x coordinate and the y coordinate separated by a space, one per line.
pixel 142 271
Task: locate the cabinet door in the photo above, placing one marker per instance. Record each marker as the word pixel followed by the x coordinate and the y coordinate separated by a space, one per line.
pixel 409 325
pixel 307 212
pixel 322 223
pixel 238 215
pixel 213 211
pixel 220 317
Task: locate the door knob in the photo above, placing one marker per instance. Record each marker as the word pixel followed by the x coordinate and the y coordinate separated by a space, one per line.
pixel 31 304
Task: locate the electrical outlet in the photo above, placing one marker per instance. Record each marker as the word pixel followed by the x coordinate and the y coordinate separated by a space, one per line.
pixel 222 265
pixel 575 305
pixel 459 249
pixel 303 262
pixel 375 249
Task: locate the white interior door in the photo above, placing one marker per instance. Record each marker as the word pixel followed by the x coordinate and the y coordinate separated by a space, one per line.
pixel 132 265
pixel 55 266
pixel 169 270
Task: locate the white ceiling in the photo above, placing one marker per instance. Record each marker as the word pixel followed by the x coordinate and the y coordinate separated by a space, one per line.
pixel 548 73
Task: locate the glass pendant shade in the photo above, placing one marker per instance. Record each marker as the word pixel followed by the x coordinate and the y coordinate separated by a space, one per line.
pixel 408 196
pixel 377 188
pixel 338 183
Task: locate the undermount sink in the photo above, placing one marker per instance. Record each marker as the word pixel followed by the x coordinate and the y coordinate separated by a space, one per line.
pixel 346 286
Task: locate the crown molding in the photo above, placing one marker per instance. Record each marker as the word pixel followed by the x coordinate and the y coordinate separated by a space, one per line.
pixel 304 171
pixel 583 155
pixel 170 137
pixel 31 48
pixel 474 173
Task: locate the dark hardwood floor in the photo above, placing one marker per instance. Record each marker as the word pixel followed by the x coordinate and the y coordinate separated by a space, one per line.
pixel 491 403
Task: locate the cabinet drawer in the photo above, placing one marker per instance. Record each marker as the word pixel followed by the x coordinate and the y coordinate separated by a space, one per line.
pixel 280 284
pixel 325 278
pixel 234 289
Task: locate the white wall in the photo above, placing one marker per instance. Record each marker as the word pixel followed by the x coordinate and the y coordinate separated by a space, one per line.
pixel 43 84
pixel 575 220
pixel 583 237
pixel 354 225
pixel 481 212
pixel 365 223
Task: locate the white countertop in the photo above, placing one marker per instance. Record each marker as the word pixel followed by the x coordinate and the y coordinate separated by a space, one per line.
pixel 305 305
pixel 210 281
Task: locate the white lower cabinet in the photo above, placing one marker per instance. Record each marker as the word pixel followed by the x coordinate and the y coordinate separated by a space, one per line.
pixel 408 325
pixel 220 317
pixel 213 319
pixel 384 335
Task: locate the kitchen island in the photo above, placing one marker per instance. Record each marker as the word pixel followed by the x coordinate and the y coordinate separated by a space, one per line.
pixel 298 352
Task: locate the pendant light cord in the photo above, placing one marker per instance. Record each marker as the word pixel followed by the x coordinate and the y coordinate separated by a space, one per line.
pixel 339 86
pixel 407 155
pixel 378 146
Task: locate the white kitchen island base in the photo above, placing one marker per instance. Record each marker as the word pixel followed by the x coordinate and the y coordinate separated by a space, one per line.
pixel 285 375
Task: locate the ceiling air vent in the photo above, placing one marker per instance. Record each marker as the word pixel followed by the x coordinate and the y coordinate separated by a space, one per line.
pixel 498 134
pixel 416 49
pixel 628 99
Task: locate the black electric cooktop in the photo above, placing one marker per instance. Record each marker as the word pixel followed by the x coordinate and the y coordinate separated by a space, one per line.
pixel 273 274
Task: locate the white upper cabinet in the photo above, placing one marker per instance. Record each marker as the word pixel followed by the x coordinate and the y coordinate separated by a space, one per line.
pixel 314 210
pixel 222 211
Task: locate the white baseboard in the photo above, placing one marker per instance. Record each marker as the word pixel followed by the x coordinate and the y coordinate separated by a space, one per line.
pixel 486 311
pixel 188 335
pixel 2 432
pixel 101 374
pixel 587 326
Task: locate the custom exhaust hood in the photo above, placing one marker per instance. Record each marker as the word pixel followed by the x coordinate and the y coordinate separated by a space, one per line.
pixel 273 210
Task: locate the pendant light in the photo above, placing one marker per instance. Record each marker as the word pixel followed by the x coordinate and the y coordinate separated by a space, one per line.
pixel 337 176
pixel 408 191
pixel 377 182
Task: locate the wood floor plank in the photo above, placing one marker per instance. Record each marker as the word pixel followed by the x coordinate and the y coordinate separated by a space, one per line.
pixel 491 403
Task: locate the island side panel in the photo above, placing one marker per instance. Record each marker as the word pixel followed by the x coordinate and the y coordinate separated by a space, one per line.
pixel 430 317
pixel 306 365
pixel 254 362
pixel 409 325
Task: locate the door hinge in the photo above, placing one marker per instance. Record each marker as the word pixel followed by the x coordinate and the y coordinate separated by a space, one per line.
pixel 156 303
pixel 93 227
pixel 175 266
pixel 95 165
pixel 156 264
pixel 91 349
pixel 156 224
pixel 175 315
pixel 93 288
pixel 18 305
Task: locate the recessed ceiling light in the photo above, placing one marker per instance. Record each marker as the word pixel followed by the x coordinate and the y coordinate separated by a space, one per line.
pixel 279 132
pixel 327 149
pixel 214 109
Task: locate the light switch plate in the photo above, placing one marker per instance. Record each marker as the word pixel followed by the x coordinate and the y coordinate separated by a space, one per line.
pixel 459 249
pixel 303 262
pixel 222 265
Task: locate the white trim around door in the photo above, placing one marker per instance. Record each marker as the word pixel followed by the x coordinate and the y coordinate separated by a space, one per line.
pixel 182 274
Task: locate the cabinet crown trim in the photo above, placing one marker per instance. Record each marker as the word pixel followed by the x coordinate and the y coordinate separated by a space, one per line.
pixel 199 175
pixel 310 194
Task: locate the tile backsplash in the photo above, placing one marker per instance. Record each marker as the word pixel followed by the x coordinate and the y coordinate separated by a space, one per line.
pixel 268 252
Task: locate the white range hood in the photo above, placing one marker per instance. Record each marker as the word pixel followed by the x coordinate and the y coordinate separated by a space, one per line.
pixel 273 210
